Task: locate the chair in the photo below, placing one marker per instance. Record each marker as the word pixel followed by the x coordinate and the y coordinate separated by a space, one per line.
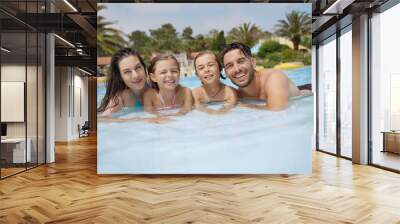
pixel 84 130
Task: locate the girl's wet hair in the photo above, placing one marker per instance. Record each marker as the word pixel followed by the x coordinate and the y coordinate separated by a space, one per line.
pixel 114 83
pixel 216 59
pixel 155 60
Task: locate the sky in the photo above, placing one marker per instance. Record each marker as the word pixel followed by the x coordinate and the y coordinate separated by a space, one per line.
pixel 202 17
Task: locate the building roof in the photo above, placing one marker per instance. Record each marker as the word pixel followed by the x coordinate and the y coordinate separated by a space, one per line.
pixel 193 54
pixel 103 60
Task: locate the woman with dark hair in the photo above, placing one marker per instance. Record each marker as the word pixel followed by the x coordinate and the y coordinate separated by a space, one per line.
pixel 126 82
pixel 125 87
pixel 208 70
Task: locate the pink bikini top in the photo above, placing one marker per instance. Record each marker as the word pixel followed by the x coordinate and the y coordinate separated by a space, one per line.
pixel 170 107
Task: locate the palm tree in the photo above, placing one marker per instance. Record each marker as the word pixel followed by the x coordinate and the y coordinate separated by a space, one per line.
pixel 296 25
pixel 109 39
pixel 246 33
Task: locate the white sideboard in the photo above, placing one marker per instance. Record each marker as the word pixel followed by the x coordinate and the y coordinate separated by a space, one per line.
pixel 18 145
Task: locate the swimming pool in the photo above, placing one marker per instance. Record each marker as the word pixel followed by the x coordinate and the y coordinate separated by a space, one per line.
pixel 244 141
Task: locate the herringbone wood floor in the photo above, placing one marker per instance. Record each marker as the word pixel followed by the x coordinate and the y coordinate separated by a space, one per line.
pixel 70 191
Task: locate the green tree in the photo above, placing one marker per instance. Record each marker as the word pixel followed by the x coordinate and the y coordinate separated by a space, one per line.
pixel 246 33
pixel 306 41
pixel 187 33
pixel 213 33
pixel 141 42
pixel 296 25
pixel 166 38
pixel 219 42
pixel 109 39
pixel 267 34
pixel 187 39
pixel 200 43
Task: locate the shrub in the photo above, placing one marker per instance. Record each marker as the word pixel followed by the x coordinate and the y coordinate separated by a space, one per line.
pixel 270 46
pixel 290 55
pixel 276 56
pixel 269 64
pixel 306 41
pixel 307 59
pixel 275 53
pixel 272 59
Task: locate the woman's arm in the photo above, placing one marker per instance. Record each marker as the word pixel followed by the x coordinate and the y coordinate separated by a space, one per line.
pixel 114 105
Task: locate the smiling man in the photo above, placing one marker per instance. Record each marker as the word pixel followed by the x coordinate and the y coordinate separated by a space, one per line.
pixel 270 85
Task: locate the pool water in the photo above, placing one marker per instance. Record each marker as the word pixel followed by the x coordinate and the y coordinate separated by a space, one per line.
pixel 300 76
pixel 244 141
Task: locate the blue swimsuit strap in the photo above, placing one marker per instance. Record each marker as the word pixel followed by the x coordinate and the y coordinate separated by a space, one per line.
pixel 138 103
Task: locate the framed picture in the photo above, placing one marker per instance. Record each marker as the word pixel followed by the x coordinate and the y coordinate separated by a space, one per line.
pixel 209 88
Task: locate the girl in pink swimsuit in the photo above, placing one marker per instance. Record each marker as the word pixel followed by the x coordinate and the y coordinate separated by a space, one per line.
pixel 166 94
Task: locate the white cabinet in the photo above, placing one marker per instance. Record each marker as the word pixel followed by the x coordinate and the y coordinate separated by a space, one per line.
pixel 18 149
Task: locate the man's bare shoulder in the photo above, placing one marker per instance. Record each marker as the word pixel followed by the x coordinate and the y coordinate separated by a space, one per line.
pixel 271 71
pixel 272 76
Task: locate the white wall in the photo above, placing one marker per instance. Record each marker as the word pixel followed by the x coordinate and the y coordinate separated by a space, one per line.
pixel 81 100
pixel 13 72
pixel 61 103
pixel 71 94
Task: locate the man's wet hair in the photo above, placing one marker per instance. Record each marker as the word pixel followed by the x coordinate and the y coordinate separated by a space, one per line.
pixel 235 45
